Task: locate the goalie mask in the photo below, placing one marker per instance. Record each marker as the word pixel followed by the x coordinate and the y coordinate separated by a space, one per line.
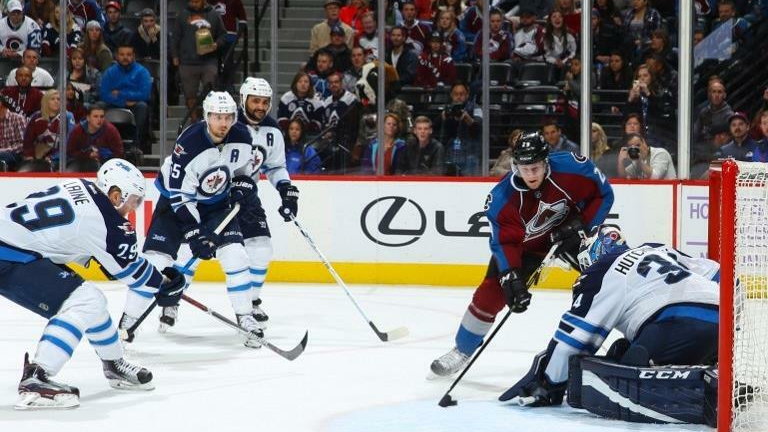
pixel 122 174
pixel 603 239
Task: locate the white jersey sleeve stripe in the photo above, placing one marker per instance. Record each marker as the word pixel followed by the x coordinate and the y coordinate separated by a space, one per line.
pixel 130 269
pixel 584 325
pixel 568 340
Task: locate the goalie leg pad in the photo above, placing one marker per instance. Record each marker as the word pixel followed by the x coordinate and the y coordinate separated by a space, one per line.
pixel 661 394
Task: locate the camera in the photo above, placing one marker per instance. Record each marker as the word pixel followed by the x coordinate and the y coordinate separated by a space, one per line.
pixel 634 152
pixel 454 110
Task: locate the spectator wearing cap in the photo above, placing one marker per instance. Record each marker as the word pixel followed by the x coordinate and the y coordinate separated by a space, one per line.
pixel 18 32
pixel 40 76
pixel 233 16
pixel 401 57
pixel 435 67
pixel 40 11
pixel 146 38
pixel 702 153
pixel 95 138
pixel 25 98
pixel 528 39
pixel 320 35
pixel 127 84
pixel 51 32
pixel 416 32
pixel 741 146
pixel 454 43
pixel 339 50
pixel 499 42
pixel 11 129
pixel 716 111
pixel 97 53
pixel 198 34
pixel 85 11
pixel 115 33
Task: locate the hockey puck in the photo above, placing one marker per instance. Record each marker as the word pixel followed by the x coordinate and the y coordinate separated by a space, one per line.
pixel 447 401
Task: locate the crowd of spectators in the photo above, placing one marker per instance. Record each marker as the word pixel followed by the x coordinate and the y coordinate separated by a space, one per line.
pixel 328 115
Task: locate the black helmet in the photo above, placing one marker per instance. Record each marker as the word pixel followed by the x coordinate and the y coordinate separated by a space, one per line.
pixel 530 148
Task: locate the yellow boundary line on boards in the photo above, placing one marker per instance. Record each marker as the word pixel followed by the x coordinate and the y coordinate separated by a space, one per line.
pixel 366 273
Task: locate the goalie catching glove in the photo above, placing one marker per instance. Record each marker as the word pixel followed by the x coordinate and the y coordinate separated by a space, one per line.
pixel 290 196
pixel 515 292
pixel 534 389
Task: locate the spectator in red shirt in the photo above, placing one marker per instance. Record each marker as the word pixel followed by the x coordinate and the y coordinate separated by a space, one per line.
pixel 26 99
pixel 352 14
pixel 11 127
pixel 41 137
pixel 500 41
pixel 95 138
pixel 435 67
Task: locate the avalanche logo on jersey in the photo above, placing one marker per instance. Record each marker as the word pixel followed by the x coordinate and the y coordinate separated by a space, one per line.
pixel 213 181
pixel 14 43
pixel 547 216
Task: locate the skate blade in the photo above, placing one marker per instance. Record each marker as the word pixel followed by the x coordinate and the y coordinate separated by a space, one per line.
pixel 33 401
pixel 125 385
pixel 432 376
pixel 252 344
pixel 163 328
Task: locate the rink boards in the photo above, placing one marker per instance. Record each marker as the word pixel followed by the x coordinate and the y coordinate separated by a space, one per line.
pixel 421 231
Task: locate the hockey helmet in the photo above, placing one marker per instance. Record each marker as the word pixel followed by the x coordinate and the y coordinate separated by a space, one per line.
pixel 530 148
pixel 601 240
pixel 219 102
pixel 255 87
pixel 124 175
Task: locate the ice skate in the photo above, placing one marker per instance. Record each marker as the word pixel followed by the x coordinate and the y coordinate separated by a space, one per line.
pixel 126 322
pixel 249 323
pixel 259 314
pixel 126 376
pixel 449 363
pixel 37 391
pixel 168 318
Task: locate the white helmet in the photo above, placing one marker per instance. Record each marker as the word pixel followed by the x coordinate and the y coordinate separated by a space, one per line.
pixel 121 173
pixel 219 102
pixel 255 87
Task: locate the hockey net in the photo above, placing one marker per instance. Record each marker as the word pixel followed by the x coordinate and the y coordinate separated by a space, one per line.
pixel 738 239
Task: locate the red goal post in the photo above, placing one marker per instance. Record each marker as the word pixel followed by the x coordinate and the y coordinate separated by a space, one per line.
pixel 738 240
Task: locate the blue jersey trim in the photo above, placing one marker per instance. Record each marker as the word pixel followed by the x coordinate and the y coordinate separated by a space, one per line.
pixel 130 269
pixel 580 323
pixel 108 341
pixel 100 328
pixel 17 256
pixel 243 287
pixel 67 326
pixel 59 343
pixel 255 271
pixel 694 312
pixel 568 340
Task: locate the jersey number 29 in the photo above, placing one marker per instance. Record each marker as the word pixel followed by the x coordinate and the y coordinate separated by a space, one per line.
pixel 44 214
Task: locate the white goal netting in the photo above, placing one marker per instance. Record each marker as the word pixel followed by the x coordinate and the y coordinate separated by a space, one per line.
pixel 750 304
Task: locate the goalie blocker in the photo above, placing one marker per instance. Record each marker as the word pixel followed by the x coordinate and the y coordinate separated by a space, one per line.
pixel 655 394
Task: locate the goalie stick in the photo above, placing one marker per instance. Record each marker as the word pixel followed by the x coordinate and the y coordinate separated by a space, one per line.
pixel 289 355
pixel 124 333
pixel 447 400
pixel 391 335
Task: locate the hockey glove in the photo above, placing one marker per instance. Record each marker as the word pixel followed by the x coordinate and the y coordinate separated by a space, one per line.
pixel 568 235
pixel 515 292
pixel 534 389
pixel 201 241
pixel 290 196
pixel 241 188
pixel 171 288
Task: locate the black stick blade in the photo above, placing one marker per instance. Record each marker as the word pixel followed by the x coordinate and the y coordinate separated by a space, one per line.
pixel 447 401
pixel 292 354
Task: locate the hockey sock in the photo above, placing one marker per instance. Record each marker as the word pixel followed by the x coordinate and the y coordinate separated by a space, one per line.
pixel 234 261
pixel 260 253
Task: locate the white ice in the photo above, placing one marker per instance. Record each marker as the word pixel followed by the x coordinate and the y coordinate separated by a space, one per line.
pixel 346 381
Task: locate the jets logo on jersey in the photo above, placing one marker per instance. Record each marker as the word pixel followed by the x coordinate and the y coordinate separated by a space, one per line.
pixel 547 216
pixel 127 228
pixel 259 156
pixel 213 181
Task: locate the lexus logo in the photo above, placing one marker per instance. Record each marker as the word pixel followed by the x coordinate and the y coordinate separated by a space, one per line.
pixel 402 221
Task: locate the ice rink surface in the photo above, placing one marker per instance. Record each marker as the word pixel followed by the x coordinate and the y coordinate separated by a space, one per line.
pixel 346 380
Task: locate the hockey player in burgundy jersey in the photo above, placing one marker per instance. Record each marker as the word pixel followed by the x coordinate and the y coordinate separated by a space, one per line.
pixel 546 199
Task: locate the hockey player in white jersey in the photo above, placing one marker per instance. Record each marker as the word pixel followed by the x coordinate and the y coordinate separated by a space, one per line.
pixel 75 221
pixel 269 156
pixel 666 305
pixel 206 172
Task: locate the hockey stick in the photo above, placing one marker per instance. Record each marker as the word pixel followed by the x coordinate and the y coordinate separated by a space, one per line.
pixel 391 335
pixel 290 355
pixel 223 224
pixel 447 400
